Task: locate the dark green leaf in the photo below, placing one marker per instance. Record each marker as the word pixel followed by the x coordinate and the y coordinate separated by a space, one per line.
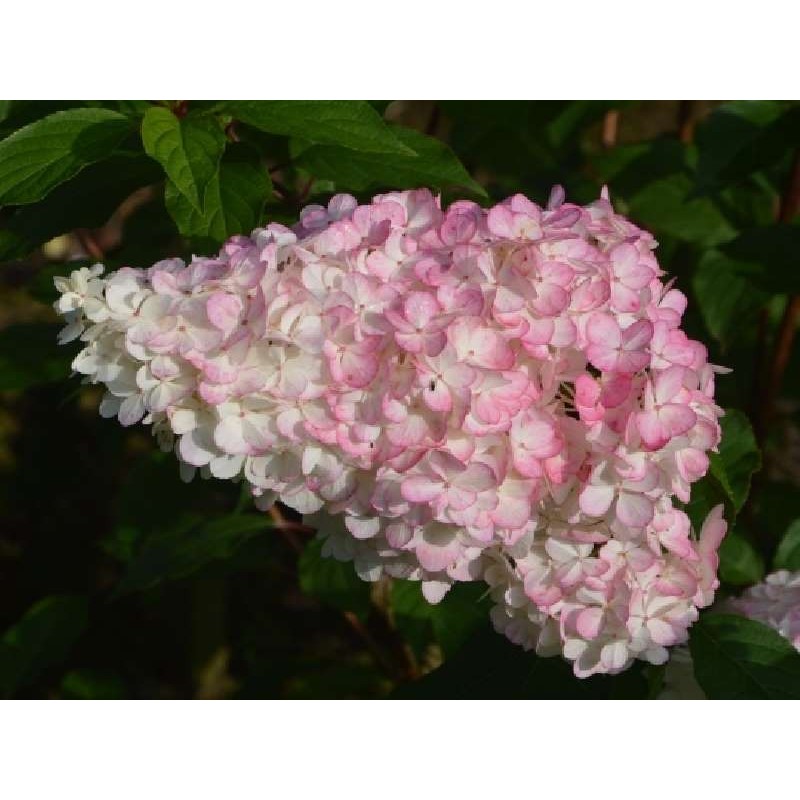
pixel 452 621
pixel 768 257
pixel 728 141
pixel 85 201
pixel 706 494
pixel 736 658
pixel 187 547
pixel 740 564
pixel 788 553
pixel 40 640
pixel 666 206
pixel 431 163
pixel 630 169
pixel 331 581
pixel 577 116
pixel 36 158
pixel 727 299
pixel 233 201
pixel 18 113
pixel 90 684
pixel 188 149
pixel 738 457
pixel 488 666
pixel 352 124
pixel 774 141
pixel 29 355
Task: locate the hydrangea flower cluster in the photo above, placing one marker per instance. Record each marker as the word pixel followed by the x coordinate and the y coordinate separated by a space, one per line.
pixel 501 394
pixel 775 602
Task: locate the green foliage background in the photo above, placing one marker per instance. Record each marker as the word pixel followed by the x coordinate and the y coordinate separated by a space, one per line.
pixel 119 581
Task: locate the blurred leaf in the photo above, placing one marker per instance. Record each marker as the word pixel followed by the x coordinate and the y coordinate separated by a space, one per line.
pixel 740 564
pixel 188 149
pixel 788 553
pixel 735 140
pixel 452 621
pixel 40 640
pixel 121 543
pixel 29 355
pixel 488 666
pixel 352 124
pixel 507 136
pixel 654 161
pixel 738 457
pixel 768 257
pixel 331 581
pixel 172 502
pixel 90 684
pixel 668 206
pixel 36 158
pixel 233 201
pixel 736 658
pixel 187 547
pixel 727 300
pixel 748 204
pixel 776 509
pixel 565 129
pixel 380 105
pixel 86 201
pixel 431 163
pixel 607 164
pixel 341 680
pixel 132 108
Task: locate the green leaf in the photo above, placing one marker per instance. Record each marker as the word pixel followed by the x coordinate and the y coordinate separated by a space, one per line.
pixel 18 113
pixel 42 639
pixel 189 545
pixel 188 149
pixel 352 124
pixel 331 581
pixel 773 143
pixel 86 201
pixel 736 658
pixel 740 564
pixel 728 300
pixel 29 356
pixel 630 169
pixel 730 141
pixel 768 257
pixel 488 666
pixel 232 203
pixel 706 494
pixel 431 163
pixel 667 206
pixel 788 553
pixel 90 684
pixel 452 621
pixel 738 457
pixel 36 158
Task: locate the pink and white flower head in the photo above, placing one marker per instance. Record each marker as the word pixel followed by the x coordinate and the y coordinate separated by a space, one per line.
pixel 775 602
pixel 499 394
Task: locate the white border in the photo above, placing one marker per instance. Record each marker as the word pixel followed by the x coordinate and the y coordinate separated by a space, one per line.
pixel 149 750
pixel 623 49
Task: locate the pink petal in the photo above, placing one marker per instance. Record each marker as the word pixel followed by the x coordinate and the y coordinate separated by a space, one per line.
pixel 634 509
pixel 420 489
pixel 419 308
pixel 602 330
pixel 596 499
